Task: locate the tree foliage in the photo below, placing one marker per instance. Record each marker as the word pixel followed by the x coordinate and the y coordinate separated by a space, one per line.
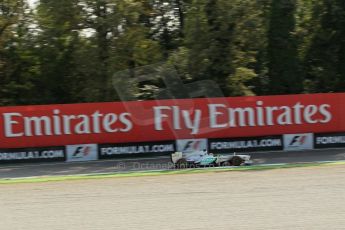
pixel 69 50
pixel 325 60
pixel 283 63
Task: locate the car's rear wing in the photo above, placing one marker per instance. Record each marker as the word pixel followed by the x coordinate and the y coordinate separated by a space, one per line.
pixel 176 156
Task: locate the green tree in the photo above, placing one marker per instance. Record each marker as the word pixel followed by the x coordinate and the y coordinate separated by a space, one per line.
pixel 285 75
pixel 167 23
pixel 58 23
pixel 248 57
pixel 118 38
pixel 219 44
pixel 16 57
pixel 325 59
pixel 68 51
pixel 209 32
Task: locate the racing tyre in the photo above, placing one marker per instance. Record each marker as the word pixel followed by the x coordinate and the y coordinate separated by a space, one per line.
pixel 226 163
pixel 236 161
pixel 181 164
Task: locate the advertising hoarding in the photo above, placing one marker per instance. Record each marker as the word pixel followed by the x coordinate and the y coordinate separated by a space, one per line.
pixel 159 120
pixel 301 141
pixel 21 155
pixel 191 145
pixel 107 151
pixel 245 144
pixel 85 152
pixel 329 140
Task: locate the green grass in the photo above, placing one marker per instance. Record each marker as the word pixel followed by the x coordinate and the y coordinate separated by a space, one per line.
pixel 159 173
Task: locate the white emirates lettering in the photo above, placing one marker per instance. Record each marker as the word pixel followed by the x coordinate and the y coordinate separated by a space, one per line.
pixel 17 125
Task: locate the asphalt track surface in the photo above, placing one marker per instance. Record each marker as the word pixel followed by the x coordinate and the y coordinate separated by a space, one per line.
pixel 155 163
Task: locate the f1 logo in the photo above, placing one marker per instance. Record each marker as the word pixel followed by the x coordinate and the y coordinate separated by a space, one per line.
pixel 192 145
pixel 298 140
pixel 81 151
pixel 86 152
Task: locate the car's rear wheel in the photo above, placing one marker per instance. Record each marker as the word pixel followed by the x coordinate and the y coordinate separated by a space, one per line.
pixel 236 161
pixel 226 163
pixel 181 164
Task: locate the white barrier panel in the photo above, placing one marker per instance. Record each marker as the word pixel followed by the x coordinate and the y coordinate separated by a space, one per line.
pixel 301 141
pixel 191 145
pixel 87 152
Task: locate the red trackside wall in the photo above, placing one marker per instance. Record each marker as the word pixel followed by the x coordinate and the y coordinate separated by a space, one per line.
pixel 144 124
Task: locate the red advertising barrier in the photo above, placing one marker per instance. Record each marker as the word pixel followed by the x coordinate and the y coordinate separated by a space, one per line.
pixel 121 122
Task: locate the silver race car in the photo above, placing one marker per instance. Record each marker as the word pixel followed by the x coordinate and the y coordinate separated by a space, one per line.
pixel 204 158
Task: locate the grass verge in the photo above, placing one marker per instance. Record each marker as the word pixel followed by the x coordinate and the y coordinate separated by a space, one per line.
pixel 161 172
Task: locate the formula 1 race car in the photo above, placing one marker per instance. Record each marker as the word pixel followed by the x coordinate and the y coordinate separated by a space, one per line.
pixel 203 158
